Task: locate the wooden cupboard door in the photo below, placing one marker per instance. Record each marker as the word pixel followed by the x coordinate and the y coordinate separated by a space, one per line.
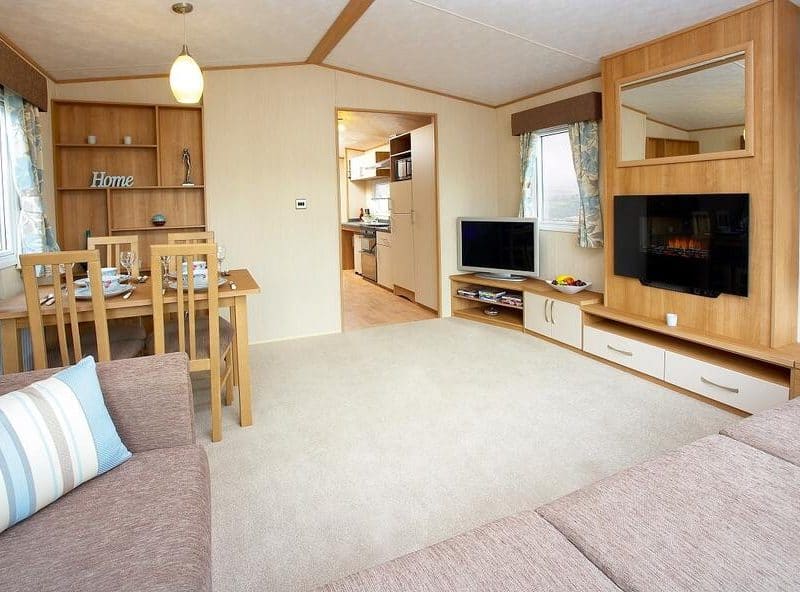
pixel 385 277
pixel 566 322
pixel 536 314
pixel 400 192
pixel 423 192
pixel 403 251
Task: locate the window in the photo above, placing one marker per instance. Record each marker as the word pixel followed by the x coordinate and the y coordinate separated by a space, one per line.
pixel 8 208
pixel 558 199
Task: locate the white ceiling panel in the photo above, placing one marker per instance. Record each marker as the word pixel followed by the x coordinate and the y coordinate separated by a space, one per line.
pixel 587 28
pixel 80 39
pixel 416 44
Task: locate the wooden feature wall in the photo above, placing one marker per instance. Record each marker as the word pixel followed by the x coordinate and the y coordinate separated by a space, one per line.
pixel 159 134
pixel 768 317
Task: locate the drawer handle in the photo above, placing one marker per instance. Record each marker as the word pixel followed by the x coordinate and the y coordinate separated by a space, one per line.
pixel 552 320
pixel 619 351
pixel 730 389
pixel 546 320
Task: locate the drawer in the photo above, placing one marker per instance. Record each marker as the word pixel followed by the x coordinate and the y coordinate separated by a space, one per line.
pixel 733 388
pixel 642 357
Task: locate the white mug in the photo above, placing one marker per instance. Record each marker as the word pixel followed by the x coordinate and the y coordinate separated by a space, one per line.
pixel 91 139
pixel 672 319
pixel 127 140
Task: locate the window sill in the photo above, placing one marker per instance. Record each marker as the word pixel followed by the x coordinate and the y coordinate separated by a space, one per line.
pixel 7 259
pixel 556 227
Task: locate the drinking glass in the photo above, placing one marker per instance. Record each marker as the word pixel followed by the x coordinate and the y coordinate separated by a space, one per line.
pixel 128 259
pixel 221 252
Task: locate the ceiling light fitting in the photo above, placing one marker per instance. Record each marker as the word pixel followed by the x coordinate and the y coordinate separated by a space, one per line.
pixel 185 77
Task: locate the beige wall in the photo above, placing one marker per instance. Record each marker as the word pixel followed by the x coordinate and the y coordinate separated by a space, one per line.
pixel 718 140
pixel 270 138
pixel 659 130
pixel 559 250
pixel 633 133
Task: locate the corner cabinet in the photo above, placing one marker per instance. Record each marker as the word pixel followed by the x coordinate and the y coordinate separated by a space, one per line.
pixel 153 158
pixel 553 318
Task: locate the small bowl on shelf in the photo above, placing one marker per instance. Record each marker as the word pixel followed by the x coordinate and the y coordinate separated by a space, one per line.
pixel 159 220
pixel 567 288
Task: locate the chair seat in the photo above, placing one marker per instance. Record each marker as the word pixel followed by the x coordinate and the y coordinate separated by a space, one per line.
pixel 120 350
pixel 118 330
pixel 171 344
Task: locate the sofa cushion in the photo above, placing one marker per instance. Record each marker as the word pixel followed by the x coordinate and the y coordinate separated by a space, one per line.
pixel 144 526
pixel 776 431
pixel 520 553
pixel 714 515
pixel 55 434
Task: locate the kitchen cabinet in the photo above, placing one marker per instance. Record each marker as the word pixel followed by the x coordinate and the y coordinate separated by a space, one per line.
pixel 553 318
pixel 365 166
pixel 357 253
pixel 384 250
pixel 403 251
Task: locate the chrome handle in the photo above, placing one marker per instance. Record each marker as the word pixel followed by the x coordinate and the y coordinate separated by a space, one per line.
pixel 619 351
pixel 546 320
pixel 730 389
pixel 552 319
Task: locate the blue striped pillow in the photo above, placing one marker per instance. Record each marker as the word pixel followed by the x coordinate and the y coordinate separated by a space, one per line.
pixel 54 435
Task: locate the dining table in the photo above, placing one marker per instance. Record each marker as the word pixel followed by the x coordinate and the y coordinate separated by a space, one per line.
pixel 233 295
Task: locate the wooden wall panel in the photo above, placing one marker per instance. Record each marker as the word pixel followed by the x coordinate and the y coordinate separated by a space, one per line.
pixel 748 319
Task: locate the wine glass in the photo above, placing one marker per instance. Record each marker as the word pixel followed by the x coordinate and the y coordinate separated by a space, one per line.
pixel 128 259
pixel 221 252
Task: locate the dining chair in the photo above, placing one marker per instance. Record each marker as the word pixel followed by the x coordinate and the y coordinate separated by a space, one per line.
pixel 181 238
pixel 206 338
pixel 113 246
pixel 74 339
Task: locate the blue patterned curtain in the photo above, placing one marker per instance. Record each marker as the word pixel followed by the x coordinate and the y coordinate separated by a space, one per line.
pixel 528 157
pixel 584 140
pixel 24 142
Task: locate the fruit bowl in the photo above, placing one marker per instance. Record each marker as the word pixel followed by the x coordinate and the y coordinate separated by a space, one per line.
pixel 568 285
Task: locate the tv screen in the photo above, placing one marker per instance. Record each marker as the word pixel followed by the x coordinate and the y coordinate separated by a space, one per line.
pixel 697 244
pixel 502 247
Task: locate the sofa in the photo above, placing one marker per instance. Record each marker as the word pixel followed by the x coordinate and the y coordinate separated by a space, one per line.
pixel 720 514
pixel 145 525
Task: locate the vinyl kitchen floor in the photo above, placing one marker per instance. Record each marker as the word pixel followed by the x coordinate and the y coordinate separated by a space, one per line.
pixel 368 305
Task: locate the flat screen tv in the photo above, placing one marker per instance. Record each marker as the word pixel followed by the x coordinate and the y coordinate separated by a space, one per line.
pixel 500 248
pixel 697 244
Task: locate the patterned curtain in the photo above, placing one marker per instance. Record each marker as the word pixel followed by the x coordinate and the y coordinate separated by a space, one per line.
pixel 528 156
pixel 583 138
pixel 24 142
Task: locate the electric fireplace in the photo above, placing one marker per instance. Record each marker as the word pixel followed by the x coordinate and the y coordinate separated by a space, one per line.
pixel 697 244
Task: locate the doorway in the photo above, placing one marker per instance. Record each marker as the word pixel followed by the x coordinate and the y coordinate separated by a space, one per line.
pixel 388 217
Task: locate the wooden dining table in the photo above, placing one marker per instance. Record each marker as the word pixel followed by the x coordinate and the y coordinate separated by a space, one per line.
pixel 14 316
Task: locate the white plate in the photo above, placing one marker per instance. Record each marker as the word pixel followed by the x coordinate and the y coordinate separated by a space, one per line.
pixel 200 283
pixel 85 293
pixel 568 289
pixel 85 281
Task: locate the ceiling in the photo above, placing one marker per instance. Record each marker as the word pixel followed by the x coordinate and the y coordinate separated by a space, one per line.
pixel 487 52
pixel 364 130
pixel 703 99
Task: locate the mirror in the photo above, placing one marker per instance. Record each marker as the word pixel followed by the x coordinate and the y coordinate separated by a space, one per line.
pixel 693 110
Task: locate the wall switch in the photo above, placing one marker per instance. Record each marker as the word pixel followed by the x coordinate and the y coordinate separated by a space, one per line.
pixel 300 204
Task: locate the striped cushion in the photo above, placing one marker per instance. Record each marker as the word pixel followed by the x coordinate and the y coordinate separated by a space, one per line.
pixel 54 435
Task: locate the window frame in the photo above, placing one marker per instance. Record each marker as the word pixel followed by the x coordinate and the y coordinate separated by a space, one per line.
pixel 9 210
pixel 551 225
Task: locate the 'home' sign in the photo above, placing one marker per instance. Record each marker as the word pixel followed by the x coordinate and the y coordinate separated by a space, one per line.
pixel 101 179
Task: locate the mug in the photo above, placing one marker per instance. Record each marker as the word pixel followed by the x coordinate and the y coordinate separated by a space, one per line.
pixel 127 140
pixel 672 319
pixel 91 139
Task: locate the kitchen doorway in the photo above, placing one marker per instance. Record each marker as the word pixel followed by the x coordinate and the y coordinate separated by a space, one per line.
pixel 388 217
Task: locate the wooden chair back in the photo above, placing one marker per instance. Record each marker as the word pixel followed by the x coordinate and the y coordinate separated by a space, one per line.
pixel 113 246
pixel 185 307
pixel 66 306
pixel 182 238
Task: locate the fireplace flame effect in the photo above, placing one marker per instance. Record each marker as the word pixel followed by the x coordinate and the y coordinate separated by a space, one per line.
pixel 685 243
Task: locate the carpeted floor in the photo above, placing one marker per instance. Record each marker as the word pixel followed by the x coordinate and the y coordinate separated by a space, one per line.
pixel 374 443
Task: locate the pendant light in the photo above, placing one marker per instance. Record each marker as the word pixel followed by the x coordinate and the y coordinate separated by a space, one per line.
pixel 185 77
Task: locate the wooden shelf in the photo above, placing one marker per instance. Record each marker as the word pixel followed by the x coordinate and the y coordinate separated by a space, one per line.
pixel 128 146
pixel 134 188
pixel 772 356
pixel 510 319
pixel 490 302
pixel 155 228
pixel 537 286
pixel 403 153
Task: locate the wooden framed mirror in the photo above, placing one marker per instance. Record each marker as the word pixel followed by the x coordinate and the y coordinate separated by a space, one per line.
pixel 700 109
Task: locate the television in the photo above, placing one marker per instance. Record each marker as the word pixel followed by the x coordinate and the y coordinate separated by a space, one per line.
pixel 499 248
pixel 693 243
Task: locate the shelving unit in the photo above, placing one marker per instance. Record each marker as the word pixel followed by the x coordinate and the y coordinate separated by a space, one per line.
pixel 400 157
pixel 160 133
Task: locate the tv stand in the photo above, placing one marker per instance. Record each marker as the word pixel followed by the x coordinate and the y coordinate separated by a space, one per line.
pixel 506 277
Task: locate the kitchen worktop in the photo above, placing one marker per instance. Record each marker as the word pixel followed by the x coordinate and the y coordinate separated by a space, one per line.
pixel 359 226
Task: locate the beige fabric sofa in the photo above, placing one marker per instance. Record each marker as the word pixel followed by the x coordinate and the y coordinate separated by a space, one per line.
pixel 721 514
pixel 144 526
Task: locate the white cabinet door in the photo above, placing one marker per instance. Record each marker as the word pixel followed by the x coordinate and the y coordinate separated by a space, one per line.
pixel 385 277
pixel 403 251
pixel 400 192
pixel 423 184
pixel 566 322
pixel 357 252
pixel 536 314
pixel 355 168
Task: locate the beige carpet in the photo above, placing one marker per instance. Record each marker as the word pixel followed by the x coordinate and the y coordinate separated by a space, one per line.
pixel 374 443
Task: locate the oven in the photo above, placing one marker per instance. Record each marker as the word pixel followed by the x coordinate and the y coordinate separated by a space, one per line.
pixel 369 260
